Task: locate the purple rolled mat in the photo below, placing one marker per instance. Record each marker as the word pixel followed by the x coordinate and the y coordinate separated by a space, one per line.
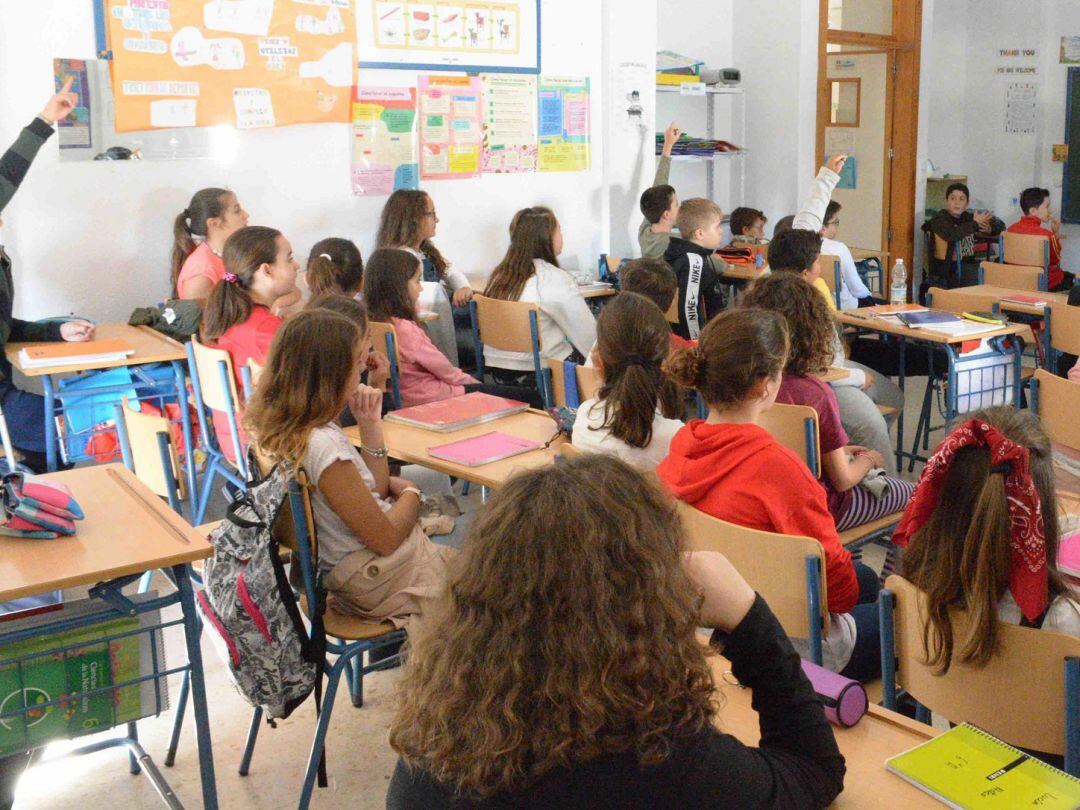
pixel 843 699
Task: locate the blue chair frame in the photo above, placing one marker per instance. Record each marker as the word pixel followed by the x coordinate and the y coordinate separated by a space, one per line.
pixel 543 375
pixel 1071 667
pixel 395 372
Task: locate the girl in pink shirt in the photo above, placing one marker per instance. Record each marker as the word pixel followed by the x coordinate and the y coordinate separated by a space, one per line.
pixel 212 216
pixel 392 287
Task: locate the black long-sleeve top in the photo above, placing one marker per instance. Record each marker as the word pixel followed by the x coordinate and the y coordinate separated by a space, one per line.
pixel 699 292
pixel 797 765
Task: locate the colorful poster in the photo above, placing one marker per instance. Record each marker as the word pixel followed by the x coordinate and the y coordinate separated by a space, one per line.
pixel 74 132
pixel 246 63
pixel 508 109
pixel 450 131
pixel 384 140
pixel 1070 51
pixel 466 35
pixel 564 125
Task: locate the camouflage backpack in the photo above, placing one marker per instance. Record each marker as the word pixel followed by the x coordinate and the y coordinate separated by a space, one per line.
pixel 249 604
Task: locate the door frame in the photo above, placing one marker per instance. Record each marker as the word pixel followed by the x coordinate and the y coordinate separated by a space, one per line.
pixel 901 105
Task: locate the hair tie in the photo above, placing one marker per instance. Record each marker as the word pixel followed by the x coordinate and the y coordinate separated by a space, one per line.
pixel 231 278
pixel 326 256
pixel 635 360
pixel 1028 577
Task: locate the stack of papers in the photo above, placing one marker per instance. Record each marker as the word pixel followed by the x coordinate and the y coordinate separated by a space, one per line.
pixel 53 355
pixel 960 328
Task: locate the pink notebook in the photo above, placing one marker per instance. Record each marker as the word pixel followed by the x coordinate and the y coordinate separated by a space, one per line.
pixel 483 449
pixel 445 415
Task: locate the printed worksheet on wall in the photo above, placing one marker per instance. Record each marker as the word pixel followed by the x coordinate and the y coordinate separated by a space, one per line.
pixel 565 128
pixel 508 104
pixel 384 140
pixel 450 128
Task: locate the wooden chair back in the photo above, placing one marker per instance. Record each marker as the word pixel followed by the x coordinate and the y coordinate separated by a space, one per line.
pixel 672 313
pixel 256 370
pixel 214 393
pixel 958 301
pixel 1058 403
pixel 1018 696
pixel 610 263
pixel 941 248
pixel 773 564
pixel 504 325
pixel 379 331
pixel 796 428
pixel 284 530
pixel 1012 276
pixel 1029 250
pixel 142 435
pixel 588 382
pixel 1064 328
pixel 830 271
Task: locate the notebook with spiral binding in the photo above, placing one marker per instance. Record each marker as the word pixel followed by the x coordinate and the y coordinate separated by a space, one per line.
pixel 968 768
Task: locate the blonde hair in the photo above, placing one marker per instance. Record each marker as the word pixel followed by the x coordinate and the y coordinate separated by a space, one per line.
pixel 303 384
pixel 696 213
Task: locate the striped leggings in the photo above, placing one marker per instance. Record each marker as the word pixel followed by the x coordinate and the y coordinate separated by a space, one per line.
pixel 865 507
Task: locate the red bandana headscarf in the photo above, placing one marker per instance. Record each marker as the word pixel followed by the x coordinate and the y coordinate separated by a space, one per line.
pixel 1027 573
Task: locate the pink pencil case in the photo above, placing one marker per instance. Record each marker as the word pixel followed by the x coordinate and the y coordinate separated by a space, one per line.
pixel 843 699
pixel 38 509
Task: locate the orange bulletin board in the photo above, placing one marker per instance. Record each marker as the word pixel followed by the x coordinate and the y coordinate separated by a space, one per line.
pixel 245 63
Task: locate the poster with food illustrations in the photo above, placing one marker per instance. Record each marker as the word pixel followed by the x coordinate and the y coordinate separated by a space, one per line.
pixel 384 140
pixel 245 63
pixel 450 133
pixel 508 110
pixel 485 35
pixel 565 128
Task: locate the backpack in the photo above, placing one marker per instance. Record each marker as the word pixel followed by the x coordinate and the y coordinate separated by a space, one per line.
pixel 248 602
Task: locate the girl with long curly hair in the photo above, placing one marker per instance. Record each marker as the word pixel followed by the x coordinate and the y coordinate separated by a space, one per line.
pixel 844 466
pixel 561 666
pixel 730 467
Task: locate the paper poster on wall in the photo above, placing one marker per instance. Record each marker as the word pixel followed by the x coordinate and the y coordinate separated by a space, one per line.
pixel 565 126
pixel 246 63
pixel 508 105
pixel 450 130
pixel 839 140
pixel 1070 51
pixel 384 140
pixel 632 99
pixel 1016 70
pixel 74 132
pixel 470 35
pixel 1020 108
pixel 849 175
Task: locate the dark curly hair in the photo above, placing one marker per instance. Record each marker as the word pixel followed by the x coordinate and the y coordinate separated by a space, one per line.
pixel 811 329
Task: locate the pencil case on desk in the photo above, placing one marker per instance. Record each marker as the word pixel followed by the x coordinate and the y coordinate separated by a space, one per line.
pixel 844 700
pixel 38 509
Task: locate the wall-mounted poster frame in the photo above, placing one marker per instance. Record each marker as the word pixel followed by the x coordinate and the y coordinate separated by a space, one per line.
pixel 488 36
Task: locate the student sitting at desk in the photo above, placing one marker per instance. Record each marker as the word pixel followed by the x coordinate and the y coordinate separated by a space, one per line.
pixel 747 227
pixel 199 235
pixel 561 667
pixel 701 224
pixel 25 412
pixel 959 227
pixel 853 292
pixel 1035 204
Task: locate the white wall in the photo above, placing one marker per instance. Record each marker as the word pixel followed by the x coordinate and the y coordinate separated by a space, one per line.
pixel 95 238
pixel 964 99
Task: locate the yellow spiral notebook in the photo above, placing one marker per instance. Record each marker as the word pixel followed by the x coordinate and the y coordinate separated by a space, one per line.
pixel 967 768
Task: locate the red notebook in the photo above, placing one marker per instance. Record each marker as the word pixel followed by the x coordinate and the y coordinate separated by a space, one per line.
pixel 483 449
pixel 457 412
pixel 1031 300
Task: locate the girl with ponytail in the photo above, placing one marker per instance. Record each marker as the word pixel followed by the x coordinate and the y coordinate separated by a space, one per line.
pixel 199 235
pixel 730 467
pixel 634 415
pixel 334 266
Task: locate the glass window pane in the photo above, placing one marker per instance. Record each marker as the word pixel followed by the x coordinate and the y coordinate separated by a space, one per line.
pixel 864 16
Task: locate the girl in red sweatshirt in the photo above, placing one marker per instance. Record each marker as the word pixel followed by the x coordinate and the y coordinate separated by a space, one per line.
pixel 730 467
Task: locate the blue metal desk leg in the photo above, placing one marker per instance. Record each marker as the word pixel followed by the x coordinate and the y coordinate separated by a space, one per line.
pixel 50 422
pixel 185 423
pixel 198 687
pixel 900 416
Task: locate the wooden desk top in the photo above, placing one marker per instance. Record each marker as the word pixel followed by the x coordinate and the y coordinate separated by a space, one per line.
pixel 599 293
pixel 859 254
pixel 149 346
pixel 743 272
pixel 857 319
pixel 997 293
pixel 478 283
pixel 876 737
pixel 835 373
pixel 427 316
pixel 126 531
pixel 410 444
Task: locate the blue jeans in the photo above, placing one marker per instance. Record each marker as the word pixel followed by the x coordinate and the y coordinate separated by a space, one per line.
pixel 865 662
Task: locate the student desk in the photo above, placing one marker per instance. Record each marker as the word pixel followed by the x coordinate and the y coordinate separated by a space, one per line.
pixel 150 347
pixel 835 373
pixel 478 283
pixel 741 274
pixel 880 734
pixel 997 293
pixel 410 444
pixel 127 531
pixel 863 320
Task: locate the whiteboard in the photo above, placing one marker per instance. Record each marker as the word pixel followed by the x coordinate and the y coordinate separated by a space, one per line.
pixel 501 36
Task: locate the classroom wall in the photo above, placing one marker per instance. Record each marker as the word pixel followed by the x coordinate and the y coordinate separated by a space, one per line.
pixel 94 238
pixel 965 102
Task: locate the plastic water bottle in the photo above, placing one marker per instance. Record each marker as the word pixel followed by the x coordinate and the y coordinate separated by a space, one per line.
pixel 898 288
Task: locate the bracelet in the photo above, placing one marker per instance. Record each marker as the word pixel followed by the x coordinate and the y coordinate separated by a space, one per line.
pixel 378 452
pixel 419 495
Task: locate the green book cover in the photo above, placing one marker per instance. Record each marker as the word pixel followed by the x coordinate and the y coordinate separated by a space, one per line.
pixel 93 664
pixel 968 768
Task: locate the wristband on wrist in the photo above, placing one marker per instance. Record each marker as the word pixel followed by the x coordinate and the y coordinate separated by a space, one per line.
pixel 419 495
pixel 378 452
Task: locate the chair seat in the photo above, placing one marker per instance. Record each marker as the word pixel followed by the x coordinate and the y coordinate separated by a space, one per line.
pixel 869 529
pixel 349 628
pixel 1027 373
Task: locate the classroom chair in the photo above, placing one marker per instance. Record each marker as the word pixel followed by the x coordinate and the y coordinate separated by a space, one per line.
pixel 214 387
pixel 346 637
pixel 510 326
pixel 1029 250
pixel 796 428
pixel 672 313
pixel 249 376
pixel 787 571
pixel 1057 402
pixel 1062 332
pixel 587 382
pixel 383 336
pixel 939 249
pixel 1012 276
pixel 830 272
pixel 608 267
pixel 1028 694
